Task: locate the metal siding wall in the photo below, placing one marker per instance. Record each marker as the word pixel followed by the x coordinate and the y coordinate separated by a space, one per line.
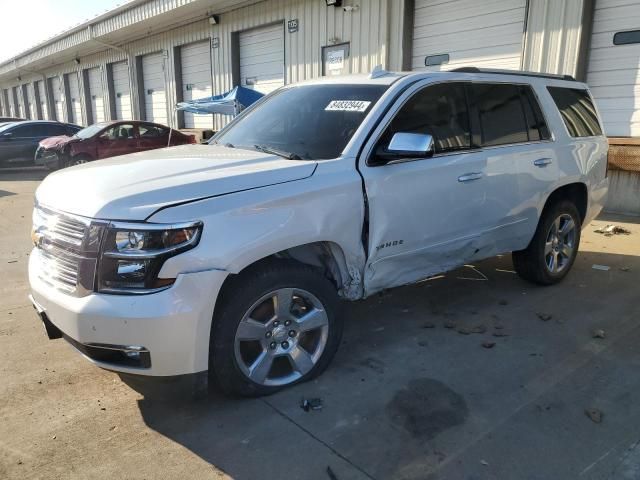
pixel 553 36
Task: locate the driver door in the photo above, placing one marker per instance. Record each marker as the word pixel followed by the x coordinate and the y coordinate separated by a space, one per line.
pixel 426 215
pixel 117 140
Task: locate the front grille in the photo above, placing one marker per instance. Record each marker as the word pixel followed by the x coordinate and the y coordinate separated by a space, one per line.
pixel 60 240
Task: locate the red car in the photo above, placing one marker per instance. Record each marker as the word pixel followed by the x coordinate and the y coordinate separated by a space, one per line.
pixel 107 139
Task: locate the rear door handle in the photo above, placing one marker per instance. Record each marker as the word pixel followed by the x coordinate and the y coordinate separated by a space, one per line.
pixel 469 177
pixel 542 162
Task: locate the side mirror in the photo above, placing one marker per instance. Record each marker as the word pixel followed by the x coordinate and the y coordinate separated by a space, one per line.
pixel 406 146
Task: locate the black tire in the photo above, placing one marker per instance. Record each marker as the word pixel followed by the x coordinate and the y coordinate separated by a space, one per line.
pixel 240 294
pixel 531 263
pixel 78 160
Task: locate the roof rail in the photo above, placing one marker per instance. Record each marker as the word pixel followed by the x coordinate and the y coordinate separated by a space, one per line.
pixel 522 73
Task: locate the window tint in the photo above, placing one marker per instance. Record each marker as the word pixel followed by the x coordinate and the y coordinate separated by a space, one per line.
pixel 51 130
pixel 119 132
pixel 626 38
pixel 501 115
pixel 151 131
pixel 536 127
pixel 438 110
pixel 577 110
pixel 24 131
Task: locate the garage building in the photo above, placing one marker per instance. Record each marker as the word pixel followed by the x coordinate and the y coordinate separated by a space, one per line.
pixel 140 59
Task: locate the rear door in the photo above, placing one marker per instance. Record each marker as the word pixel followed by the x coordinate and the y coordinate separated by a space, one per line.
pixel 117 140
pixel 425 215
pixel 152 136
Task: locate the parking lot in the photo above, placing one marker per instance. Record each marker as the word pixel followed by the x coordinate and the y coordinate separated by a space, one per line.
pixel 472 375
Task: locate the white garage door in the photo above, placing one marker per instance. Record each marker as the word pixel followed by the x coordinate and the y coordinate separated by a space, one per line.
pixel 614 70
pixel 96 94
pixel 196 81
pixel 18 94
pixel 122 90
pixel 58 98
pixel 31 101
pixel 485 34
pixel 43 100
pixel 155 95
pixel 262 58
pixel 74 94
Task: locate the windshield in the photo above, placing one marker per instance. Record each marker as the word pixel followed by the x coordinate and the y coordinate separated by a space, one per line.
pixel 311 122
pixel 91 130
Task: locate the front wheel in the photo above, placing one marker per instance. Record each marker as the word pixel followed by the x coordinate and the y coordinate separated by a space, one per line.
pixel 554 246
pixel 78 160
pixel 276 325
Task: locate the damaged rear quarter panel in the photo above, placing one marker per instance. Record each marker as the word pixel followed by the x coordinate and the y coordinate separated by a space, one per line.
pixel 242 228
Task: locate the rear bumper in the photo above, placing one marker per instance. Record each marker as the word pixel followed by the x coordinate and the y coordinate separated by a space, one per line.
pixel 172 326
pixel 597 198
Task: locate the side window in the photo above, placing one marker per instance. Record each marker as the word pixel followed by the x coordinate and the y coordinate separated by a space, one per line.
pixel 150 131
pixel 24 131
pixel 52 130
pixel 119 132
pixel 440 111
pixel 577 110
pixel 501 115
pixel 536 125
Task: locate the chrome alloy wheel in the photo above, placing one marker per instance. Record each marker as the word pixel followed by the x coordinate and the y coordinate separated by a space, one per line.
pixel 281 337
pixel 560 243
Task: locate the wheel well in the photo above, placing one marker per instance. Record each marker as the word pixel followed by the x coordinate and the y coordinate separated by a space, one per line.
pixel 574 192
pixel 328 257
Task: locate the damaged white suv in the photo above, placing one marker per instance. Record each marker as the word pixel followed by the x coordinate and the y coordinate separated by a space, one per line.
pixel 232 257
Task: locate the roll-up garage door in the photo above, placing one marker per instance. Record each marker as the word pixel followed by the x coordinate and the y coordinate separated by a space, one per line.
pixel 155 95
pixel 43 100
pixel 613 73
pixel 262 58
pixel 457 33
pixel 31 95
pixel 196 80
pixel 122 90
pixel 18 95
pixel 96 95
pixel 74 94
pixel 58 99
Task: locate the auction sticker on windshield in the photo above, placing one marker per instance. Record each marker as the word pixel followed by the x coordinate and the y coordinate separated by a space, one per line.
pixel 347 106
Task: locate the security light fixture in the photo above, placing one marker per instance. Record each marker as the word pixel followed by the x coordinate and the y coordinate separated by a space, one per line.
pixel 214 19
pixel 334 3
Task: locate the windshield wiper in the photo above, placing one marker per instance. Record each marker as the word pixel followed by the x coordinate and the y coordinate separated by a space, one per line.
pixel 275 151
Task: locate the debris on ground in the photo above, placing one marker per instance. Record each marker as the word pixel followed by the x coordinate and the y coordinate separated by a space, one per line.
pixel 498 326
pixel 423 343
pixel 12 261
pixel 449 324
pixel 488 344
pixel 481 276
pixel 503 302
pixel 610 230
pixel 479 329
pixel 464 330
pixel 332 475
pixel 625 269
pixel 484 462
pixel 500 333
pixel 604 268
pixel 598 333
pixel 594 415
pixel 429 325
pixel 545 317
pixel 311 404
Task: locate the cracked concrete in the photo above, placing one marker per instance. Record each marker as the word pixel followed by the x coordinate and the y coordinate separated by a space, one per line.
pixel 406 398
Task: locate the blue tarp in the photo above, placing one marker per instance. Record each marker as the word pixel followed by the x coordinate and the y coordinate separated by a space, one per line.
pixel 230 103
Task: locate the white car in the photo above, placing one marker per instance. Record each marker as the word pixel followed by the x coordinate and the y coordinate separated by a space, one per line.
pixel 232 257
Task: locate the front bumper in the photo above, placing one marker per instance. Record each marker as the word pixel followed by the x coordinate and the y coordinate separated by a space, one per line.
pixel 173 325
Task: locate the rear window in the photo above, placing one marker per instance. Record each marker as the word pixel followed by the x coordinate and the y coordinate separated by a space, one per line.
pixel 577 110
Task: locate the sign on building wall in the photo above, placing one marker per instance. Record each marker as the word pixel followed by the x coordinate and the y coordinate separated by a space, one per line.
pixel 335 59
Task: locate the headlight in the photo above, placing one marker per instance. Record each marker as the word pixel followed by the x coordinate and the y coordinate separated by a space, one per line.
pixel 133 254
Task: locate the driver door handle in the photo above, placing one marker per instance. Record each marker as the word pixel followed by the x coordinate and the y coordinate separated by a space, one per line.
pixel 542 162
pixel 470 177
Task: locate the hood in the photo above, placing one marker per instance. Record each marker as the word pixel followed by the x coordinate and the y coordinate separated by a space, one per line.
pixel 132 187
pixel 57 142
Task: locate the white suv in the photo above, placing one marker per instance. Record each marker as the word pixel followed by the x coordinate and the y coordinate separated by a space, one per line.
pixel 232 257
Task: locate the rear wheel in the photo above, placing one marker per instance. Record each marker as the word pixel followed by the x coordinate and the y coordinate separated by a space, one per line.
pixel 277 325
pixel 554 247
